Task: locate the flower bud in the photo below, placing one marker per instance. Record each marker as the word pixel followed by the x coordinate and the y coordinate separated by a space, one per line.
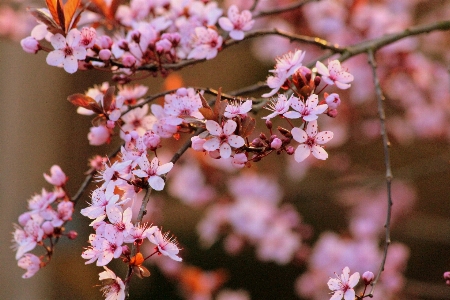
pixel 47 227
pixel 276 143
pixel 257 142
pixel 262 136
pixel 317 80
pixel 447 278
pixel 333 101
pixel 110 124
pixel 128 60
pixel 104 54
pixel 269 124
pixel 332 113
pixel 72 235
pixel 368 277
pixel 126 250
pixel 30 45
pixel 290 150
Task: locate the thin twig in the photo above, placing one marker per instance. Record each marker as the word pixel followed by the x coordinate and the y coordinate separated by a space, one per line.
pixel 88 179
pixel 280 10
pixel 387 162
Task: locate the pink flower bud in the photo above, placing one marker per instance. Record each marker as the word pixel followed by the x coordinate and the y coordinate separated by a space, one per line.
pixel 126 250
pixel 333 101
pixel 56 177
pixel 104 54
pixel 332 113
pixel 128 60
pixel 290 150
pixel 98 135
pixel 239 160
pixel 269 124
pixel 110 124
pixel 47 227
pixel 30 45
pixel 368 277
pixel 447 278
pixel 105 42
pixel 72 235
pixel 276 143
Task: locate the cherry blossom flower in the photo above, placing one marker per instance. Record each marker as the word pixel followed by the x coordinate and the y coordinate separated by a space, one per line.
pixel 88 35
pixel 138 119
pixel 333 100
pixel 343 286
pixel 289 62
pixel 139 232
pixel 114 288
pixel 206 43
pixel 279 106
pixel 238 108
pixel 334 74
pixel 67 51
pixel 309 141
pixel 237 23
pixel 27 238
pixel 31 263
pixel 223 138
pixel 98 135
pixel 153 171
pixel 275 83
pixel 308 111
pixel 165 246
pixel 56 177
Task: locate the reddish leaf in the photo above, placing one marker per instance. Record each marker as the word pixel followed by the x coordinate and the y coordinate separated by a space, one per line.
pixel 86 102
pixel 69 11
pixel 219 106
pixel 60 12
pixel 42 16
pixel 109 98
pixel 51 5
pixel 247 126
pixel 206 110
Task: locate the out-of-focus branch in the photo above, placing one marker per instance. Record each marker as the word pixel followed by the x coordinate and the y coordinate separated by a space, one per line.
pixel 321 43
pixel 387 162
pixel 387 39
pixel 280 10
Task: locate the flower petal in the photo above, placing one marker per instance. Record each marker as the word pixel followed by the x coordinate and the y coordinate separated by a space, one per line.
pixel 225 150
pixel 323 137
pixel 236 141
pixel 229 127
pixel 302 152
pixel 319 152
pixel 213 127
pixel 299 135
pixel 156 182
pixel 211 144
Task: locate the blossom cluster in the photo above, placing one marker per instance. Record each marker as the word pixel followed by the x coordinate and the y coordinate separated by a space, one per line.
pixel 43 223
pixel 147 36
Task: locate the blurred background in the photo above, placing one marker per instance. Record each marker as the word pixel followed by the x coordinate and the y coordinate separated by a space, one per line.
pixel 39 128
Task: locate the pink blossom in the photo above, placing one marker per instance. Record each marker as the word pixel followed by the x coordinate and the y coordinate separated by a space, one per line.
pixel 238 108
pixel 153 171
pixel 239 160
pixel 88 35
pixel 275 82
pixel 31 263
pixel 98 135
pixel 67 51
pixel 197 143
pixel 334 74
pixel 56 177
pixel 114 288
pixel 139 232
pixel 333 100
pixel 138 119
pixel 166 246
pixel 309 141
pixel 222 138
pixel 237 23
pixel 206 43
pixel 280 106
pixel 343 286
pixel 30 45
pixel 308 111
pixel 289 63
pixel 27 238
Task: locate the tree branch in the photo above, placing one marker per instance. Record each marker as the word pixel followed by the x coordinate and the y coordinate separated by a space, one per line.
pixel 280 10
pixel 387 162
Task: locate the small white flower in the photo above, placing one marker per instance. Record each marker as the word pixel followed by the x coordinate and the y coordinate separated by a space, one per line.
pixel 334 74
pixel 223 138
pixel 237 23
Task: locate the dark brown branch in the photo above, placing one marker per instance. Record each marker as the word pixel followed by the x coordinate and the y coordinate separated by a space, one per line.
pixel 387 162
pixel 280 10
